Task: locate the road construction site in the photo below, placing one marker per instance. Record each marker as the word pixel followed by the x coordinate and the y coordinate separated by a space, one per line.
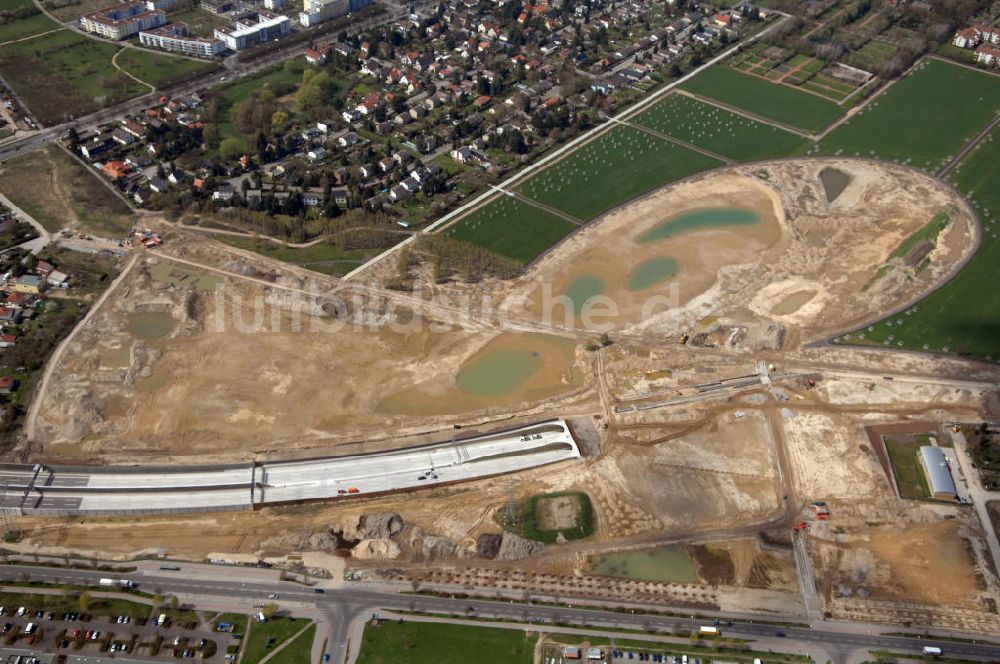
pixel 61 491
pixel 712 429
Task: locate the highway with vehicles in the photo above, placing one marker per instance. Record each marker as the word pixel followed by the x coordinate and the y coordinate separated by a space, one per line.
pixel 242 588
pixel 83 490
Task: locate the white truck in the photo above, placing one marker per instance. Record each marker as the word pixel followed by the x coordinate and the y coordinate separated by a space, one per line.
pixel 116 583
pixel 708 630
pixel 932 650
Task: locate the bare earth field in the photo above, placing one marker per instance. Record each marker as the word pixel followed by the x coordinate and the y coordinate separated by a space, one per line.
pixel 59 191
pixel 233 356
pixel 177 366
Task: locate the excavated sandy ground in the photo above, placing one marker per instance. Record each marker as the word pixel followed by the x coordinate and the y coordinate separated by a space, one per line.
pixel 719 467
pixel 927 563
pixel 807 265
pixel 219 386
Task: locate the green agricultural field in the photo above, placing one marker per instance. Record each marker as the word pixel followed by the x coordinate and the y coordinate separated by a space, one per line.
pixel 511 228
pixel 615 167
pixel 26 27
pixel 964 315
pixel 924 119
pixel 160 70
pixel 780 103
pixel 64 73
pixel 437 643
pixel 907 470
pixel 720 131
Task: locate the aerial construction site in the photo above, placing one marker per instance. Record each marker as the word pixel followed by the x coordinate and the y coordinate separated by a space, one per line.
pixel 721 448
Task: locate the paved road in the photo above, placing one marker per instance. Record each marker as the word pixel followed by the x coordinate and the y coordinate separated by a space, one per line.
pixel 60 490
pixel 36 245
pixel 342 605
pixel 979 496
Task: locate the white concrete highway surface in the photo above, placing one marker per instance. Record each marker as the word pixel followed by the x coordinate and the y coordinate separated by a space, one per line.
pixel 81 490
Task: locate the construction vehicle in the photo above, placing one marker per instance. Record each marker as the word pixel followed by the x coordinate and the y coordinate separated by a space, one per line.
pixel 683 339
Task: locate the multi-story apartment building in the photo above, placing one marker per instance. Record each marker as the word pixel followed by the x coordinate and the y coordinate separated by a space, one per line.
pixel 124 20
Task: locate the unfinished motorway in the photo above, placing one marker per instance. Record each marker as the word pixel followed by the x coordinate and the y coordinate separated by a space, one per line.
pixel 118 490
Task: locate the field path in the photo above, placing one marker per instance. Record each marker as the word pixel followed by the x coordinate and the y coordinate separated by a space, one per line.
pixel 747 114
pixel 541 206
pixel 31 419
pixel 30 37
pixel 114 63
pixel 44 237
pixel 677 141
pixel 969 147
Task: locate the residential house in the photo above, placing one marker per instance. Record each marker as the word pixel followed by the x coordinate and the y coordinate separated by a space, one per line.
pixel 988 55
pixel 225 193
pixel 58 279
pixel 116 170
pixel 10 315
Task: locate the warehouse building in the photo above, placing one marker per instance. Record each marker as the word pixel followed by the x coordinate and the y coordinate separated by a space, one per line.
pixel 123 21
pixel 175 37
pixel 938 474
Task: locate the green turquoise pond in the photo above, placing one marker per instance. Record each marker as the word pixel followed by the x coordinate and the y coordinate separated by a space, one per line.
pixel 700 220
pixel 150 324
pixel 669 564
pixel 500 372
pixel 651 272
pixel 582 289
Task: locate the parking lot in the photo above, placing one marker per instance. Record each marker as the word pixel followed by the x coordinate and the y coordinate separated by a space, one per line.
pixel 87 638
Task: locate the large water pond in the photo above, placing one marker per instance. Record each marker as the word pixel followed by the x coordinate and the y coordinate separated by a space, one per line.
pixel 498 372
pixel 150 324
pixel 582 289
pixel 651 272
pixel 669 564
pixel 699 220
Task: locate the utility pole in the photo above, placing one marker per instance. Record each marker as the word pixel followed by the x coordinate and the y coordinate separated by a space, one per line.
pixel 510 509
pixel 6 518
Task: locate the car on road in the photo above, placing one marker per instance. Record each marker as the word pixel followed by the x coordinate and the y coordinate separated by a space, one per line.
pixel 273 596
pixel 318 590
